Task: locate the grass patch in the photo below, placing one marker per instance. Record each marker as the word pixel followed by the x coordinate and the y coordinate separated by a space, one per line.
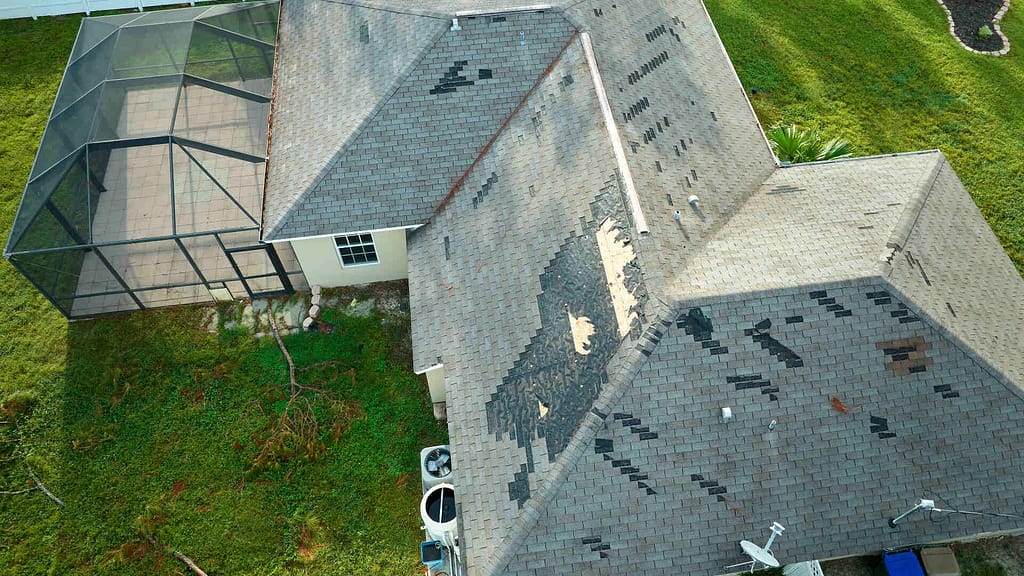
pixel 888 77
pixel 156 425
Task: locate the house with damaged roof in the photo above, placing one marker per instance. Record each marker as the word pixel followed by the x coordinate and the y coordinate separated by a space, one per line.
pixel 603 255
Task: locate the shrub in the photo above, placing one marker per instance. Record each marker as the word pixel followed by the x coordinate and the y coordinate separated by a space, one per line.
pixel 794 145
pixel 984 31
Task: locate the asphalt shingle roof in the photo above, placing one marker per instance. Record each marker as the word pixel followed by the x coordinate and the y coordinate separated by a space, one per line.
pixel 586 364
pixel 668 487
pixel 949 265
pixel 395 166
pixel 329 83
pixel 476 273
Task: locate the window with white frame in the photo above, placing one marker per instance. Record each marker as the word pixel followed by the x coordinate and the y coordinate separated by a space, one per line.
pixel 356 249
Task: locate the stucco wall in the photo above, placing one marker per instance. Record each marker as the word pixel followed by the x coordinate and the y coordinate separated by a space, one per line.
pixel 322 266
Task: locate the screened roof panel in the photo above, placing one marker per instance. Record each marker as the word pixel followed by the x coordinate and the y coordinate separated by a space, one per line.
pixel 84 74
pixel 168 16
pixel 214 192
pixel 221 119
pixel 67 132
pixel 253 61
pixel 259 22
pixel 151 50
pixel 91 33
pixel 135 109
pixel 104 172
pixel 117 20
pixel 37 193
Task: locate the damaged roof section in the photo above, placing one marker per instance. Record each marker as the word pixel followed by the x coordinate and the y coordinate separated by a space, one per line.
pixel 530 266
pixel 419 119
pixel 882 409
pixel 950 266
pixel 684 121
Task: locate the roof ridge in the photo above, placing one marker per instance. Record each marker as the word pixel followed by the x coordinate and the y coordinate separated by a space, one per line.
pixel 901 232
pixel 859 158
pixel 622 370
pixel 359 129
pixel 504 125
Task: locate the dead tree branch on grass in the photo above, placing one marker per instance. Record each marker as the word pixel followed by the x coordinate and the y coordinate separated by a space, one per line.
pixel 38 486
pixel 43 488
pixel 178 555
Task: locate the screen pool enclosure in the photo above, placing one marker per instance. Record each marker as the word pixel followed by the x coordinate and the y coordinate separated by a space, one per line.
pixel 147 187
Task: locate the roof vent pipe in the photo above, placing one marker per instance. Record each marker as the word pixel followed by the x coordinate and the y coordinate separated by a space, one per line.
pixel 455 25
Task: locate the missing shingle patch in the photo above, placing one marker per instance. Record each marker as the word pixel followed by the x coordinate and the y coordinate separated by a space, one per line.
pixel 880 426
pixel 906 356
pixel 773 346
pixel 519 488
pixel 364 32
pixel 636 108
pixel 647 67
pixel 453 79
pixel 830 304
pixel 486 74
pixel 785 189
pixel 712 486
pixel 581 329
pixel 616 253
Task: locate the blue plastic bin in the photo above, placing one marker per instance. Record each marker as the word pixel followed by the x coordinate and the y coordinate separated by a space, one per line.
pixel 902 564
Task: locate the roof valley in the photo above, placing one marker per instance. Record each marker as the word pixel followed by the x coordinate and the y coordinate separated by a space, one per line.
pixel 623 368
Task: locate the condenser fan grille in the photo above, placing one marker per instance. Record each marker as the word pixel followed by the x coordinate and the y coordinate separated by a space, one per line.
pixel 439 463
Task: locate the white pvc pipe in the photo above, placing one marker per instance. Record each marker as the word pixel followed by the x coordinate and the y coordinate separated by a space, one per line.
pixel 613 135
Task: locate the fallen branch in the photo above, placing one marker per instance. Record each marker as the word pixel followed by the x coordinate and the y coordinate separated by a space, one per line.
pixel 188 561
pixel 38 486
pixel 43 488
pixel 287 356
pixel 16 492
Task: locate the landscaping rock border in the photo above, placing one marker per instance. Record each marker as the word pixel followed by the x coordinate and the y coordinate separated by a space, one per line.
pixel 995 29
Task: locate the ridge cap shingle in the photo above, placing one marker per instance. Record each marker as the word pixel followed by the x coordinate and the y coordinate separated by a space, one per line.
pixel 905 226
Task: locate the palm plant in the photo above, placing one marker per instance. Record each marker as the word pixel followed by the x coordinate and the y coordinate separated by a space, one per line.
pixel 794 145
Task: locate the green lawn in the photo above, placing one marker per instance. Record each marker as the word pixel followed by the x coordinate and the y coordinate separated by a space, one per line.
pixel 155 418
pixel 148 420
pixel 888 76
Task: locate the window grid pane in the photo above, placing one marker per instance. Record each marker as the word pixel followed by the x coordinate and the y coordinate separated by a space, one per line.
pixel 356 249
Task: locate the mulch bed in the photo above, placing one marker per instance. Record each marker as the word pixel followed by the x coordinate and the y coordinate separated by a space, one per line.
pixel 969 16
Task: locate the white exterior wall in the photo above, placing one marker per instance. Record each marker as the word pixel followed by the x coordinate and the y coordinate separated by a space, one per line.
pixel 323 267
pixel 435 382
